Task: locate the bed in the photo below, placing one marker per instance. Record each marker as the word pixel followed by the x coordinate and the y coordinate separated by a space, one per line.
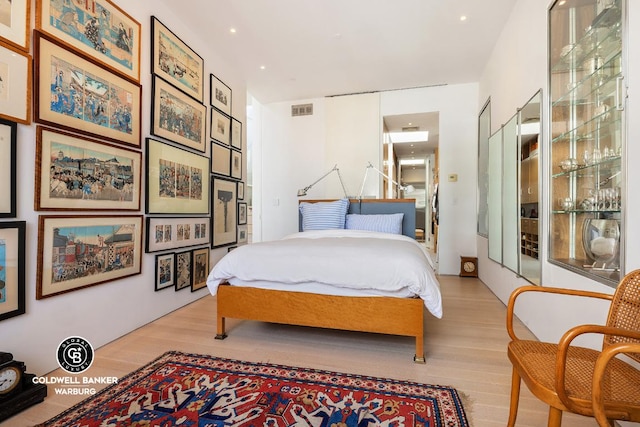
pixel 379 278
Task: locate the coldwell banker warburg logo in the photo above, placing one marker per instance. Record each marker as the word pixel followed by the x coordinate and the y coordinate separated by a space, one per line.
pixel 75 355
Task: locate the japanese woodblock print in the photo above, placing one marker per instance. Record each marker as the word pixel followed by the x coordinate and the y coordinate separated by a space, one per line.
pixel 220 95
pixel 177 180
pixel 224 212
pixel 98 28
pixel 77 173
pixel 165 271
pixel 176 62
pixel 77 252
pixel 200 268
pixel 172 233
pixel 177 117
pixel 78 95
pixel 15 22
pixel 12 280
pixel 183 270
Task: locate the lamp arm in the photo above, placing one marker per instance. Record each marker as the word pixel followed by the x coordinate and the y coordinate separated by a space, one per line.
pixel 335 168
pixel 402 187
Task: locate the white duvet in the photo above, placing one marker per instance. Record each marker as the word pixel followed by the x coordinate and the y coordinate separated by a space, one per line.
pixel 347 262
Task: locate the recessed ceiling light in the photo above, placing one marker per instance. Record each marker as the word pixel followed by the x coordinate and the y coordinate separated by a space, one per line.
pixel 562 2
pixel 262 67
pixel 232 30
pixel 463 18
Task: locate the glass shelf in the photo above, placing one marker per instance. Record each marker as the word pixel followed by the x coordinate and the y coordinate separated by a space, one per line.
pixel 587 121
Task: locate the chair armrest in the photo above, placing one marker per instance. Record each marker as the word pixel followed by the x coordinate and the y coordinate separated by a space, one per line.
pixel 565 343
pixel 551 290
pixel 598 377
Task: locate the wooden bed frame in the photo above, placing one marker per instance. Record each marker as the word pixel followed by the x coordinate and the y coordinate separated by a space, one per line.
pixel 385 315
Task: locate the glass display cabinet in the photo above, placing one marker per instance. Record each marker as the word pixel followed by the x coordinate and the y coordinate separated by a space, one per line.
pixel 587 136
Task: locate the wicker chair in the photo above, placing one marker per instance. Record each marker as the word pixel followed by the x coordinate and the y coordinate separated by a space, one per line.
pixel 580 380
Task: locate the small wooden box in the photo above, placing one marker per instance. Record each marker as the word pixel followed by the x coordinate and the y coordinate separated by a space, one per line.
pixel 468 266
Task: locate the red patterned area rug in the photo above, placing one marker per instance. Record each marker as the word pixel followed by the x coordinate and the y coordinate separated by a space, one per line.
pixel 179 389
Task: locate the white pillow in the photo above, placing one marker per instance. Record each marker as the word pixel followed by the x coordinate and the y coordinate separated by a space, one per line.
pixel 383 223
pixel 324 215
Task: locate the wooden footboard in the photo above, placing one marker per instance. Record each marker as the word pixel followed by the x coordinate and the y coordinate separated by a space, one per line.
pixel 385 315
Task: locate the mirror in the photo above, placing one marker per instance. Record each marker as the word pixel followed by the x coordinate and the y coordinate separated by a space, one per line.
pixel 494 197
pixel 510 211
pixel 484 131
pixel 529 131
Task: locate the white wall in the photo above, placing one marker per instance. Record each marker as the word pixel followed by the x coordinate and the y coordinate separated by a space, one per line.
pixel 104 312
pixel 458 134
pixel 516 69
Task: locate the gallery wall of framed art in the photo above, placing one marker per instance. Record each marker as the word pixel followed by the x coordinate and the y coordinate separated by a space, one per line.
pixel 74 135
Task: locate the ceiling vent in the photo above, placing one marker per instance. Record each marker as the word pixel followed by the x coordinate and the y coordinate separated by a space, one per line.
pixel 410 129
pixel 301 110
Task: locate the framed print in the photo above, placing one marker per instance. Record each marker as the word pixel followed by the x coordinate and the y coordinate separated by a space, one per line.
pixel 76 252
pixel 171 233
pixel 183 270
pixel 8 138
pixel 176 62
pixel 236 164
pixel 12 280
pixel 165 271
pixel 77 173
pixel 220 95
pixel 242 213
pixel 15 85
pixel 220 127
pixel 199 268
pixel 236 134
pixel 224 208
pixel 240 190
pixel 74 93
pixel 242 234
pixel 220 159
pixel 178 117
pixel 176 180
pixel 98 28
pixel 15 22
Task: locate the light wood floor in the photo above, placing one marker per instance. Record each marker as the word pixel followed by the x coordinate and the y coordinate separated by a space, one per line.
pixel 465 349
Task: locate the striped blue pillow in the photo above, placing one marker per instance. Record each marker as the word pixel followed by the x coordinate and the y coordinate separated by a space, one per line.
pixel 383 223
pixel 324 215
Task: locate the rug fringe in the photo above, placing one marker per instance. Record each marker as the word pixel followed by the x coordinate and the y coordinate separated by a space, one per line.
pixel 467 404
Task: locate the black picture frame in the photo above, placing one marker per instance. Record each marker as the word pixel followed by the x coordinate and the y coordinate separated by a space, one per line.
pixel 183 278
pixel 12 259
pixel 220 127
pixel 165 271
pixel 189 77
pixel 220 95
pixel 220 159
pixel 200 259
pixel 240 190
pixel 236 133
pixel 242 213
pixel 236 164
pixel 8 145
pixel 224 212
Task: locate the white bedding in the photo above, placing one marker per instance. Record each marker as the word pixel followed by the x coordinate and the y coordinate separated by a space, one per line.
pixel 354 262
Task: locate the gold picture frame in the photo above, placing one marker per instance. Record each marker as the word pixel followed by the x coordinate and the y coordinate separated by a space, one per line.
pixel 15 24
pixel 77 252
pixel 98 28
pixel 15 85
pixel 77 173
pixel 75 93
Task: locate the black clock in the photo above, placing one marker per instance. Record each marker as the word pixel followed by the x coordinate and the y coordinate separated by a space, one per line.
pixel 17 390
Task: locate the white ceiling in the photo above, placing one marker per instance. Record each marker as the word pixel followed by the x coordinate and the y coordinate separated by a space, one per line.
pixel 316 48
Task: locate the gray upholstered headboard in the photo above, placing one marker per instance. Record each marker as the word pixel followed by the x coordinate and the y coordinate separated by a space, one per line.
pixel 380 206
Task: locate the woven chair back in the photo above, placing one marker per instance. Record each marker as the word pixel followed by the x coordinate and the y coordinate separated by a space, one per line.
pixel 625 310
